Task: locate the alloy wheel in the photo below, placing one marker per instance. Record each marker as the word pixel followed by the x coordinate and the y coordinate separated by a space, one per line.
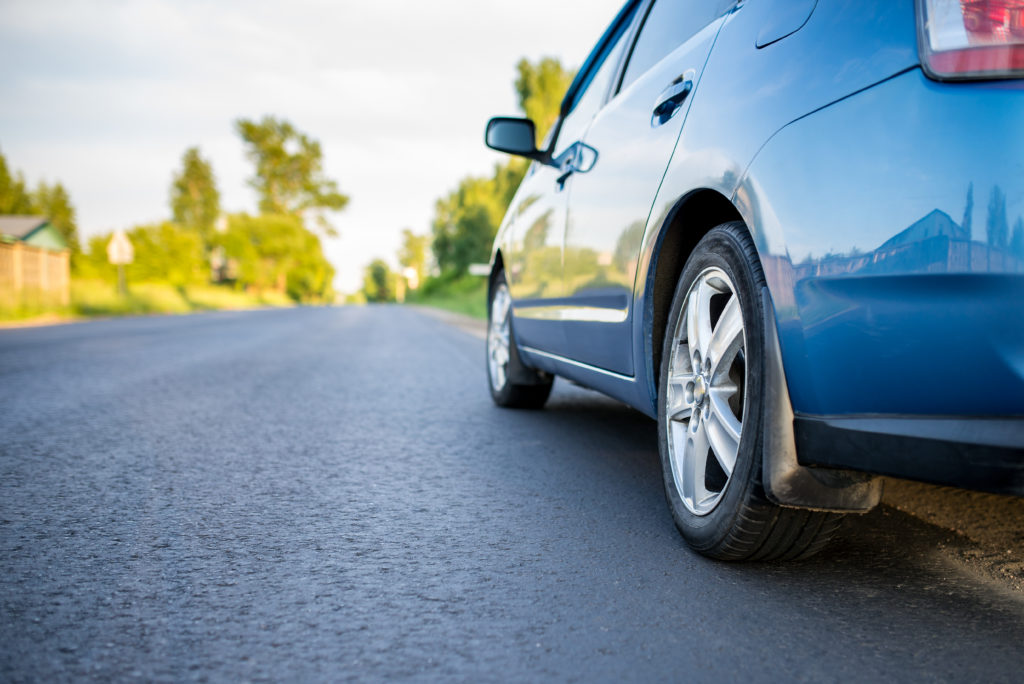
pixel 706 394
pixel 498 337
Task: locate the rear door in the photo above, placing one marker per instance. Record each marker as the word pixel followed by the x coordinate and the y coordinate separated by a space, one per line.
pixel 624 155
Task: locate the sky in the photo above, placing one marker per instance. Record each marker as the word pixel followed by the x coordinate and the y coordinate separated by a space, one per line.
pixel 105 96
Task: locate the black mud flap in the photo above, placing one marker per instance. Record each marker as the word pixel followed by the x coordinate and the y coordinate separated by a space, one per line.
pixel 786 482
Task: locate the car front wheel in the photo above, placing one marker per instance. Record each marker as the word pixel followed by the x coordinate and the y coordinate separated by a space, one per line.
pixel 512 383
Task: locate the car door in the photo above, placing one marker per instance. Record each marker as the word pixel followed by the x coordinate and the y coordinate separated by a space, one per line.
pixel 628 145
pixel 534 251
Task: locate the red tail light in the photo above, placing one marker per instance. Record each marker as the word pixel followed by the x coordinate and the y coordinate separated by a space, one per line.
pixel 971 38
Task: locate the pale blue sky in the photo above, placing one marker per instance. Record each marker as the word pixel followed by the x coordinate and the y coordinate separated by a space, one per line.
pixel 106 95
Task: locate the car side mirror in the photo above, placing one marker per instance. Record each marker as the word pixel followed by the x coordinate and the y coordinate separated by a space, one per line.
pixel 514 136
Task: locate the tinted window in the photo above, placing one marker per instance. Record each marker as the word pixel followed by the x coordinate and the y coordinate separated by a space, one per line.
pixel 599 60
pixel 668 25
pixel 591 86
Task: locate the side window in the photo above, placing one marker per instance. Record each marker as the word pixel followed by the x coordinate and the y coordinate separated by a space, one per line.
pixel 669 24
pixel 592 99
pixel 593 85
pixel 603 62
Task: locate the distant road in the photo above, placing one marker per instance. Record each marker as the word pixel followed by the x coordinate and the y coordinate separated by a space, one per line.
pixel 329 494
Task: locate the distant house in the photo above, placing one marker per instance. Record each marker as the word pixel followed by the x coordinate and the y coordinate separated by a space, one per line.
pixel 34 263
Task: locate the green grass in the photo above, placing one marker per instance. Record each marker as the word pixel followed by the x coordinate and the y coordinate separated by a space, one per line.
pixel 467 295
pixel 209 297
pixel 94 297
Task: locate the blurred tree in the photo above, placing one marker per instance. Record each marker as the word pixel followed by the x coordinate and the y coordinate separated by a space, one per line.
pixel 1017 241
pixel 465 222
pixel 997 229
pixel 163 253
pixel 379 282
pixel 195 201
pixel 92 261
pixel 48 200
pixel 413 253
pixel 289 171
pixel 467 219
pixel 275 252
pixel 14 198
pixel 968 220
pixel 54 202
pixel 541 86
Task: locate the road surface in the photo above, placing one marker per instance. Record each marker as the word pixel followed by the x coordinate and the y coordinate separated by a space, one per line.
pixel 329 494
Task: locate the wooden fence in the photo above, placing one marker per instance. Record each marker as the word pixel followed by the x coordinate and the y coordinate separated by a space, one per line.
pixel 33 277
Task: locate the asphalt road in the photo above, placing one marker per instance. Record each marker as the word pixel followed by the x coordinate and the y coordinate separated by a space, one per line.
pixel 329 494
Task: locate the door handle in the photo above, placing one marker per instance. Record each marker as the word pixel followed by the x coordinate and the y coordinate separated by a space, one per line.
pixel 671 98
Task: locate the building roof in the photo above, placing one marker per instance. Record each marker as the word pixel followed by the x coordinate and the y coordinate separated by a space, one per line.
pixel 931 225
pixel 20 227
pixel 36 231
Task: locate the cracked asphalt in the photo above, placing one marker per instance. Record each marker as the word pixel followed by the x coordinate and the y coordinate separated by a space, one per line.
pixel 329 495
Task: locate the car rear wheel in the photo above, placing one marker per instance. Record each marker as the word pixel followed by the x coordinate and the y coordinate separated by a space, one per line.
pixel 512 383
pixel 709 411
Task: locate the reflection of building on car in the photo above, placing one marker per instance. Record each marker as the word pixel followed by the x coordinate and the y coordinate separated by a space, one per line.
pixel 691 241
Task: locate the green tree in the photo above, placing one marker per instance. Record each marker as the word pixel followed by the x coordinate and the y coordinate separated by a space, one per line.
pixel 289 174
pixel 164 253
pixel 54 202
pixel 14 198
pixel 379 282
pixel 195 200
pixel 413 253
pixel 467 219
pixel 541 87
pixel 275 252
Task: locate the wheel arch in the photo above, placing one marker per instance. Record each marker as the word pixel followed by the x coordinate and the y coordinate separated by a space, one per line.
pixel 497 265
pixel 685 223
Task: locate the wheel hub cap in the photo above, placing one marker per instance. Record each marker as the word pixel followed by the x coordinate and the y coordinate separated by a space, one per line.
pixel 699 391
pixel 706 393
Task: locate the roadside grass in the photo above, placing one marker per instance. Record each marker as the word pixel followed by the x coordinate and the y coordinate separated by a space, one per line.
pixel 210 297
pixel 466 295
pixel 96 297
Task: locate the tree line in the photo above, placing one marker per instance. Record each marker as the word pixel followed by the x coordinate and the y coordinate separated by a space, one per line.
pixel 278 249
pixel 467 218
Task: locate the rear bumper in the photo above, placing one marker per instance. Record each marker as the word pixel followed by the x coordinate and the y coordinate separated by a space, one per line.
pixel 985 454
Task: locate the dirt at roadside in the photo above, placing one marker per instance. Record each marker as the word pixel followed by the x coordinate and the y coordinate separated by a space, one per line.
pixel 991 525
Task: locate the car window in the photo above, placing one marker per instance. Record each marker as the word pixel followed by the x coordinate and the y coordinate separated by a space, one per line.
pixel 586 94
pixel 604 59
pixel 593 98
pixel 669 24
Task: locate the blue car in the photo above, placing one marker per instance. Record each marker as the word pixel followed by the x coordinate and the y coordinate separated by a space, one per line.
pixel 791 231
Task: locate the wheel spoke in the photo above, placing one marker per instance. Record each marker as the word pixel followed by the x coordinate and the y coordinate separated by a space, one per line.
pixel 698 318
pixel 723 431
pixel 727 337
pixel 678 407
pixel 694 464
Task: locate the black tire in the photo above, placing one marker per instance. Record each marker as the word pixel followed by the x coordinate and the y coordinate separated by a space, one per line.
pixel 513 384
pixel 741 523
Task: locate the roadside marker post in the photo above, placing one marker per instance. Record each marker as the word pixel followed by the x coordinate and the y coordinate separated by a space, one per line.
pixel 119 253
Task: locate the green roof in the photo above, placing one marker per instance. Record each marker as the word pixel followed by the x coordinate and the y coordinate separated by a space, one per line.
pixel 32 230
